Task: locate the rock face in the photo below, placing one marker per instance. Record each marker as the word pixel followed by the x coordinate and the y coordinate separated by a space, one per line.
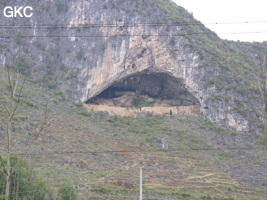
pixel 83 47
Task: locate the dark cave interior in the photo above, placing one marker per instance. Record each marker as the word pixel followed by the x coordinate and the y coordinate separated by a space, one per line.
pixel 157 86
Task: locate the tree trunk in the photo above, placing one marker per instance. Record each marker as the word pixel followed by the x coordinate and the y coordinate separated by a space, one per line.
pixel 8 178
pixel 265 129
pixel 8 165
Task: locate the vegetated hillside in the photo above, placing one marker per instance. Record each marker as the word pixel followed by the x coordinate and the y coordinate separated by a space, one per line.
pixel 254 49
pixel 184 157
pixel 66 52
pixel 84 47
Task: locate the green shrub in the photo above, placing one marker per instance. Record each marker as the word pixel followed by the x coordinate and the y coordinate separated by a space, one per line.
pixel 85 25
pixel 84 113
pixel 61 6
pixel 52 85
pixel 23 66
pixel 140 103
pixel 241 90
pixel 102 190
pixel 105 6
pixel 210 82
pixel 172 41
pixel 78 104
pixel 62 66
pixel 66 192
pixel 59 93
pixel 24 183
pixel 79 54
pixel 28 102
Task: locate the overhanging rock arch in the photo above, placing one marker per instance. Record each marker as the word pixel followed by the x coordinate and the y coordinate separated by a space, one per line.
pixel 157 85
pixel 151 68
pixel 159 88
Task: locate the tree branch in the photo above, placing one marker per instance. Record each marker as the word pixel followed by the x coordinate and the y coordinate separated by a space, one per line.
pixel 18 101
pixel 7 111
pixel 36 135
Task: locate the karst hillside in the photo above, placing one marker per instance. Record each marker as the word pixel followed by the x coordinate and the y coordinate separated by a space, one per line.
pixel 90 91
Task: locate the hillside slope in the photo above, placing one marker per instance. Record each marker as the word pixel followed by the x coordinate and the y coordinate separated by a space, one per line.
pixel 184 157
pixel 73 51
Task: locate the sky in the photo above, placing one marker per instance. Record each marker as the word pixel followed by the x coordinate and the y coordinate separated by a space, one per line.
pixel 236 19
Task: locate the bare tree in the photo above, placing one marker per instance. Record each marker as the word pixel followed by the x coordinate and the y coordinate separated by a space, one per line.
pixel 11 89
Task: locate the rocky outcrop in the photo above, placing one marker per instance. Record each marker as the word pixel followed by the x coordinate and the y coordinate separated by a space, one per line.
pixel 84 47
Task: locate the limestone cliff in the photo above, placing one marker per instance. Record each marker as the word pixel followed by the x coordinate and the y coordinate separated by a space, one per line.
pixel 82 47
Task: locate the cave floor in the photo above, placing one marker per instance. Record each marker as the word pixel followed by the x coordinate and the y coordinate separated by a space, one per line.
pixel 134 105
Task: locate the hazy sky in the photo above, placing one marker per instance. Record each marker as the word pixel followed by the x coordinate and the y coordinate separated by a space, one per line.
pixel 233 14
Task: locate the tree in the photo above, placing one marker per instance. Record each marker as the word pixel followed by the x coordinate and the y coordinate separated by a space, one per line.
pixel 24 183
pixel 262 81
pixel 12 122
pixel 170 113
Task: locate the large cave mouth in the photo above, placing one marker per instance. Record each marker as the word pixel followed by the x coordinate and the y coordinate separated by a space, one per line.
pixel 146 89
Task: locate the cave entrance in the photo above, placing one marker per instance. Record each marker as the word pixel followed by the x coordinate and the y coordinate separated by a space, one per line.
pixel 146 89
